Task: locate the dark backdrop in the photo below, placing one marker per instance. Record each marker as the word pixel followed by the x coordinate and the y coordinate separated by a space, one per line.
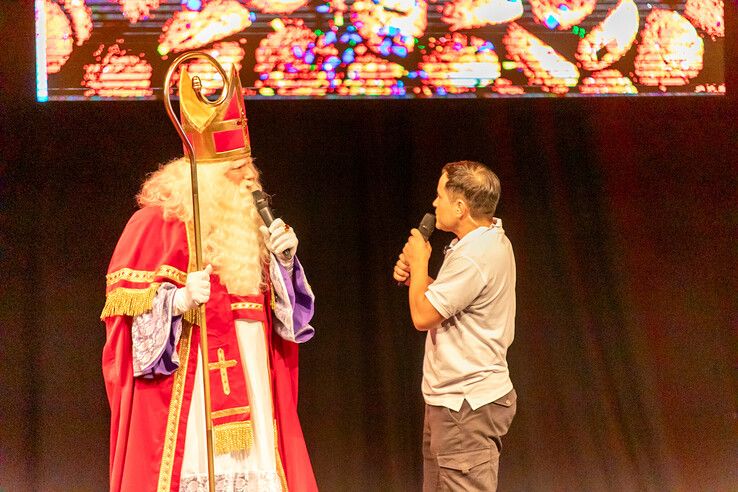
pixel 623 214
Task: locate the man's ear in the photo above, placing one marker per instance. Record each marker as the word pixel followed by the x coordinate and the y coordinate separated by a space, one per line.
pixel 460 207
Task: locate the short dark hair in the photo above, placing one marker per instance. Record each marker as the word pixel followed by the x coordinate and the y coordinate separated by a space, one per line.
pixel 476 184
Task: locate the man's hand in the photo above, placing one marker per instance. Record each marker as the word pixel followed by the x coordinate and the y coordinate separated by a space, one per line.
pixel 416 254
pixel 417 250
pixel 280 238
pixel 402 270
pixel 195 292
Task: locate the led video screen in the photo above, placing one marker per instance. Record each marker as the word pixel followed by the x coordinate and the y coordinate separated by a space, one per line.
pixel 121 49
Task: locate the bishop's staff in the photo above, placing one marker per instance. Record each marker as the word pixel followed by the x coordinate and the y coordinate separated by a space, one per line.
pixel 197 86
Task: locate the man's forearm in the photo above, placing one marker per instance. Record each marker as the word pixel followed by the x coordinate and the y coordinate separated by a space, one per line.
pixel 423 314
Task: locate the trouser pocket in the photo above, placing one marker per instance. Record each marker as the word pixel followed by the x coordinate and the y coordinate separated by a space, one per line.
pixel 469 470
pixel 501 413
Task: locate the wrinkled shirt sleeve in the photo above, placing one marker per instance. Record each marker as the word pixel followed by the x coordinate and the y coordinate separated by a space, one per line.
pixel 155 335
pixel 458 283
pixel 293 302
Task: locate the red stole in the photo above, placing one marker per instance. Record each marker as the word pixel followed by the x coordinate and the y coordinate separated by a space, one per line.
pixel 231 413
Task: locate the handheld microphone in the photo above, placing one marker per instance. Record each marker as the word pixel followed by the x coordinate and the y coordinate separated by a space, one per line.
pixel 426 228
pixel 262 205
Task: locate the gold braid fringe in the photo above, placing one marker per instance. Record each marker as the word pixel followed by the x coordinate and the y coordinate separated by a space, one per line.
pixel 124 301
pixel 193 316
pixel 234 436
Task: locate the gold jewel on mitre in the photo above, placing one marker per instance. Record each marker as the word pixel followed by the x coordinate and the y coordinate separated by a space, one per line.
pixel 218 133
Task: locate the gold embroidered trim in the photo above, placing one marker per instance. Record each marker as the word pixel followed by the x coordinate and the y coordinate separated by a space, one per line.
pixel 280 472
pixel 234 436
pixel 247 305
pixel 193 316
pixel 131 275
pixel 129 302
pixel 175 408
pixel 190 229
pixel 230 411
pixel 223 365
pixel 280 468
pixel 175 404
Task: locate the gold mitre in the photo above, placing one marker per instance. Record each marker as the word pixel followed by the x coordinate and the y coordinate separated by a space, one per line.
pixel 218 133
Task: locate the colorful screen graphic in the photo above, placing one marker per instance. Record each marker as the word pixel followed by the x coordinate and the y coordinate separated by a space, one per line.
pixel 121 49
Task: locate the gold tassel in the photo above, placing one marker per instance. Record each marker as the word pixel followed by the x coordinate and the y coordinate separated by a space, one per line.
pixel 234 436
pixel 129 302
pixel 193 316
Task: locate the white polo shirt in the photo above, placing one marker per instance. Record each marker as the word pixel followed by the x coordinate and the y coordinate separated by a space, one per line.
pixel 465 357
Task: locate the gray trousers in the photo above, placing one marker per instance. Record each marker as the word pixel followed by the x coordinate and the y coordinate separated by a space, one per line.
pixel 461 450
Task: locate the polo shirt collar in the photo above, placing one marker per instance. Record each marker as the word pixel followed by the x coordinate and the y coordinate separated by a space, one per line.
pixel 473 234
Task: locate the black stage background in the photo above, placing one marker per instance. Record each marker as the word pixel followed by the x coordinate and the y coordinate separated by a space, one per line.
pixel 624 217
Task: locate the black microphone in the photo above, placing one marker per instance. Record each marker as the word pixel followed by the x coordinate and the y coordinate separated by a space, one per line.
pixel 262 205
pixel 426 228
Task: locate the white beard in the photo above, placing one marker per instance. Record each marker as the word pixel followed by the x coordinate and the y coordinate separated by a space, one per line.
pixel 231 240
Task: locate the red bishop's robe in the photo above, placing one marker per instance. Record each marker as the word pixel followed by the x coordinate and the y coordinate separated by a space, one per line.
pixel 149 416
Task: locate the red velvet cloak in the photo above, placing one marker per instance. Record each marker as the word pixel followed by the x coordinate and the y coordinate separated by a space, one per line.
pixel 149 416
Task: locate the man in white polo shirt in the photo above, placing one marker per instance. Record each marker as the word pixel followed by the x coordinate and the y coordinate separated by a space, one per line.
pixel 469 314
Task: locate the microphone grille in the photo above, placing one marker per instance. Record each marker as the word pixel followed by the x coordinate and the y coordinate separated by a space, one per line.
pixel 260 199
pixel 427 225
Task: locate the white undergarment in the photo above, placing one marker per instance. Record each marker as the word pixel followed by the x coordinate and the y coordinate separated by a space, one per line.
pixel 254 470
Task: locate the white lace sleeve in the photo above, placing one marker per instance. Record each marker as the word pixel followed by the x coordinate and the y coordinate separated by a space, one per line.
pixel 155 335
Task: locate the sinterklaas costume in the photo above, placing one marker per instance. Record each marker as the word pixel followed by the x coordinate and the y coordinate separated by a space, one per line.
pixel 151 362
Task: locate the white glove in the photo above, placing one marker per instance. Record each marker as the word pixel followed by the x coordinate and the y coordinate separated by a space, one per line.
pixel 195 292
pixel 280 239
